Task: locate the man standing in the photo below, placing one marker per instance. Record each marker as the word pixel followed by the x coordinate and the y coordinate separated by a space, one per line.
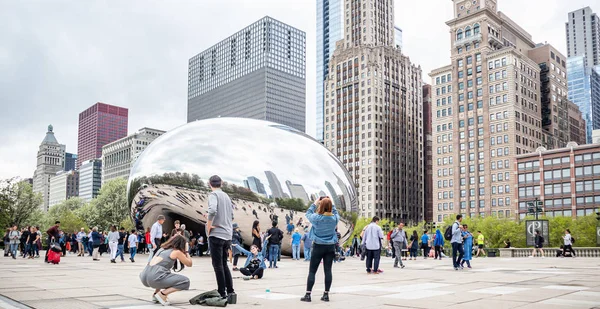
pixel 121 244
pixel 480 243
pixel 276 235
pixel 399 241
pixel 52 236
pixel 14 237
pixel 538 244
pixel 80 237
pixel 156 235
pixel 307 245
pixel 372 240
pixel 457 248
pixel 219 228
pixel 133 244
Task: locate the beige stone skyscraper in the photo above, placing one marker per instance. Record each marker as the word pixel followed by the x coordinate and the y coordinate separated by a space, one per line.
pixel 373 113
pixel 486 110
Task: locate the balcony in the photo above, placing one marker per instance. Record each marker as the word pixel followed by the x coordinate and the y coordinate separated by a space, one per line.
pixel 495 42
pixel 468 40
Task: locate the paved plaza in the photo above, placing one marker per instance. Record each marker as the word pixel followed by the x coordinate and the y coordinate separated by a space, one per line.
pixel 493 283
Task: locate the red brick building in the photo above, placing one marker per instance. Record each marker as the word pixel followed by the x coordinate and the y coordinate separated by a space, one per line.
pixel 99 125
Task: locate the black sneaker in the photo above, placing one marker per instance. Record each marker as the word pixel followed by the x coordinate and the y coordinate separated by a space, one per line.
pixel 306 298
pixel 113 261
pixel 232 298
pixel 325 297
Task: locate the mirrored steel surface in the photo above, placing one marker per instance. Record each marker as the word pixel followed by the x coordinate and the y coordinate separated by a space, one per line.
pixel 263 165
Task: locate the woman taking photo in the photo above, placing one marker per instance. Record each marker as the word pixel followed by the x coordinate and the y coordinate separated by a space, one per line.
pixel 256 235
pixel 157 273
pixel 323 235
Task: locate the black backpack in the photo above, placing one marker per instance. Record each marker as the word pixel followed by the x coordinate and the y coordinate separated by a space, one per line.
pixel 572 240
pixel 448 232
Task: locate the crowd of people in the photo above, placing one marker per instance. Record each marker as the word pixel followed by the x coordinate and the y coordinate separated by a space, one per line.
pixel 168 253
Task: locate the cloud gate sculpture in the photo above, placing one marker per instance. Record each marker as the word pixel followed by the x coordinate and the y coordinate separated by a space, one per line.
pixel 268 169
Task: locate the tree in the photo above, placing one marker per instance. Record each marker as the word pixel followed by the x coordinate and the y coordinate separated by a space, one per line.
pixel 18 202
pixel 66 213
pixel 110 207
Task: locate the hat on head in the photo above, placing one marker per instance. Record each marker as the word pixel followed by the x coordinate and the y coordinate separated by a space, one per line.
pixel 235 226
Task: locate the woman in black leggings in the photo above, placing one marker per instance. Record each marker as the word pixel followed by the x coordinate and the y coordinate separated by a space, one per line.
pixel 324 238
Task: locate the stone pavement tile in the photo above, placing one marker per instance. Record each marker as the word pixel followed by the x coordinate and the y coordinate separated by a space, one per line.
pixel 533 295
pixel 39 295
pixel 60 304
pixel 565 287
pixel 487 303
pixel 500 290
pixel 77 292
pixel 572 303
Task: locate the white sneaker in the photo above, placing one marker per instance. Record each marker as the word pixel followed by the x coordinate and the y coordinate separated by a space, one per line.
pixel 531 256
pixel 543 257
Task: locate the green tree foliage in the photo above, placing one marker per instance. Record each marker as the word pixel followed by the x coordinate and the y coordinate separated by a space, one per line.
pixel 18 202
pixel 110 207
pixel 66 213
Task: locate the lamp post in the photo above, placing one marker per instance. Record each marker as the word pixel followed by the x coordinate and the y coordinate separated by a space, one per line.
pixel 536 207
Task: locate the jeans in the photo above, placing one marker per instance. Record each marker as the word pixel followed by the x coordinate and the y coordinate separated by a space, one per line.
pixel 307 251
pixel 219 252
pixel 413 252
pixel 457 254
pixel 296 252
pixel 27 249
pixel 398 248
pixel 120 250
pixel 325 253
pixel 273 255
pixel 373 257
pixel 13 249
pixel 90 247
pixel 426 251
pixel 132 252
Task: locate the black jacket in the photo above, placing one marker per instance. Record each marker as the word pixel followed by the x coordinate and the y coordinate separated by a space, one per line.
pixel 276 236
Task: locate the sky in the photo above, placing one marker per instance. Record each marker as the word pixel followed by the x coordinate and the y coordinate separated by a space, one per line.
pixel 57 57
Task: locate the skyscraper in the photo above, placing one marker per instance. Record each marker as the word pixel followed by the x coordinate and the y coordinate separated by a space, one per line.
pixel 330 29
pixel 275 185
pixel 255 185
pixel 70 161
pixel 50 160
pixel 554 97
pixel 583 35
pixel 297 191
pixel 487 110
pixel 427 154
pixel 583 48
pixel 258 72
pixel 99 125
pixel 584 90
pixel 90 179
pixel 373 114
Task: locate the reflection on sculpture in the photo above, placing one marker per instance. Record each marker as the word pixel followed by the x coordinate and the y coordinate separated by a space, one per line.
pixel 265 167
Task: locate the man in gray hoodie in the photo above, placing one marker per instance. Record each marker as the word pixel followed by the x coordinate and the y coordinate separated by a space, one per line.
pixel 399 242
pixel 219 228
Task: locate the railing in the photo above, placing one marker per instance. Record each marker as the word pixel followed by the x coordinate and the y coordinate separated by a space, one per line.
pixel 467 40
pixel 549 252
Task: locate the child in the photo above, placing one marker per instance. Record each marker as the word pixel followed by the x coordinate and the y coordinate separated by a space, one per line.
pixel 133 244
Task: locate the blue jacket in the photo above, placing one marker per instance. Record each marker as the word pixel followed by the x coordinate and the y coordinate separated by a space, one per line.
pixel 323 227
pixel 261 255
pixel 439 238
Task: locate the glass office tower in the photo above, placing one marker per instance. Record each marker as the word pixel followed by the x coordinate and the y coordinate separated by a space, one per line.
pixel 584 90
pixel 258 72
pixel 329 31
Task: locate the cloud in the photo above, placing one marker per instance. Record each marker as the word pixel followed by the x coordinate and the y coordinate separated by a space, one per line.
pixel 59 57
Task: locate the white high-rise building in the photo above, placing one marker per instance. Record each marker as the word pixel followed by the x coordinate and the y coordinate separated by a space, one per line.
pixel 90 179
pixel 583 35
pixel 50 160
pixel 63 186
pixel 118 157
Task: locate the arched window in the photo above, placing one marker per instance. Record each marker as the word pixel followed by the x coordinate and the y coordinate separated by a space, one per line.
pixel 476 29
pixel 459 34
pixel 467 32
